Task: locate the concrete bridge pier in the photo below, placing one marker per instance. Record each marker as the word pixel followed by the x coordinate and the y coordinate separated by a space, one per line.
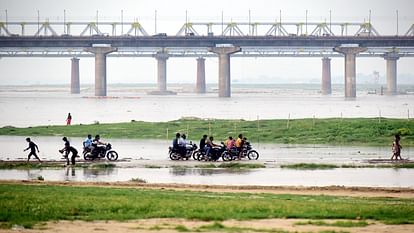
pixel 100 67
pixel 391 59
pixel 326 76
pixel 224 68
pixel 350 68
pixel 74 79
pixel 162 58
pixel 201 76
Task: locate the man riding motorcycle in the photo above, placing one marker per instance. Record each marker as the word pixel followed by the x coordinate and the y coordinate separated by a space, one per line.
pixel 98 146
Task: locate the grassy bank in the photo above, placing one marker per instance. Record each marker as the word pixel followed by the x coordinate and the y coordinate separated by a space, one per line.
pixel 361 131
pixel 30 204
pixel 322 166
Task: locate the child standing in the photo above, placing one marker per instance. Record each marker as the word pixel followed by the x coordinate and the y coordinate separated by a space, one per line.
pixel 396 148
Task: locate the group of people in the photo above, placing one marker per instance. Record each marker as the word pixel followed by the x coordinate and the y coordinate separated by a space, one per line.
pixel 207 144
pixel 96 146
pixel 180 143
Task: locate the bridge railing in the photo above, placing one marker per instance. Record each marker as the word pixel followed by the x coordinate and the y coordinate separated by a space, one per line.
pixel 135 28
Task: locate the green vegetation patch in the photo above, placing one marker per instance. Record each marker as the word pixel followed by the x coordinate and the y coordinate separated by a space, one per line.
pixel 217 227
pixel 309 166
pixel 355 131
pixel 28 204
pixel 335 224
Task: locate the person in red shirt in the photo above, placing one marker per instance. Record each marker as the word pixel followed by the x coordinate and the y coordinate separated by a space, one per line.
pixel 69 119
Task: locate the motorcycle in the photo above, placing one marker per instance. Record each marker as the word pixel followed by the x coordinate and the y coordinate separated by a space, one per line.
pixel 247 151
pixel 175 154
pixel 89 154
pixel 214 154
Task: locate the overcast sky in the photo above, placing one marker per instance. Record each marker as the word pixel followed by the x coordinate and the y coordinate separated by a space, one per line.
pixel 171 16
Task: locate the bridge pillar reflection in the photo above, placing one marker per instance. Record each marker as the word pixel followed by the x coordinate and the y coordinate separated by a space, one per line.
pixel 224 68
pixel 391 59
pixel 201 76
pixel 326 76
pixel 350 68
pixel 100 67
pixel 74 77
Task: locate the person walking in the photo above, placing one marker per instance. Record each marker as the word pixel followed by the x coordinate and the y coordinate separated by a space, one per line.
pixel 33 147
pixel 69 119
pixel 396 148
pixel 68 149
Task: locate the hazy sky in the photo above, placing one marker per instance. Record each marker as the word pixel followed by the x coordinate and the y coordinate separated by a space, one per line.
pixel 171 16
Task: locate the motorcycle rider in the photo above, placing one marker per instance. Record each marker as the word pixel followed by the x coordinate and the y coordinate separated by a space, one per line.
pixel 229 143
pixel 203 143
pixel 211 146
pixel 98 146
pixel 239 145
pixel 87 143
pixel 179 144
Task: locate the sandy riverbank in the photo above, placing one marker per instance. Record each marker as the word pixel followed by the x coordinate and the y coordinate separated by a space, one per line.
pixel 177 225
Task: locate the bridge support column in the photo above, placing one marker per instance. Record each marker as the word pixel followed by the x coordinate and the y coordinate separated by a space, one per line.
pixel 74 79
pixel 161 71
pixel 201 76
pixel 162 58
pixel 391 59
pixel 326 76
pixel 224 68
pixel 100 67
pixel 350 68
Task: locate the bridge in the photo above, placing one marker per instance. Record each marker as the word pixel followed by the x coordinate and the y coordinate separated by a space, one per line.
pixel 207 39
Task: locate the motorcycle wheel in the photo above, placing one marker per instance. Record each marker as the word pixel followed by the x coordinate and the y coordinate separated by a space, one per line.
pixel 112 155
pixel 174 156
pixel 202 157
pixel 226 156
pixel 196 154
pixel 253 155
pixel 87 156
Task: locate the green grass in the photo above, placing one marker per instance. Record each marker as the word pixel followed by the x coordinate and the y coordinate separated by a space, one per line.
pixel 219 227
pixel 360 131
pixel 309 166
pixel 30 204
pixel 335 224
pixel 232 165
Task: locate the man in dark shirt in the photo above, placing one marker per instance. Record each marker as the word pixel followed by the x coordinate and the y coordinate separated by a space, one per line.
pixel 33 147
pixel 203 142
pixel 68 149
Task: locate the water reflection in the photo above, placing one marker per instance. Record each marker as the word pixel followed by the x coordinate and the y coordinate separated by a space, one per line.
pixel 183 171
pixel 95 172
pixel 371 177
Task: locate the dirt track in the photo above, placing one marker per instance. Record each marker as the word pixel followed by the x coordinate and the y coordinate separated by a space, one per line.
pixel 169 225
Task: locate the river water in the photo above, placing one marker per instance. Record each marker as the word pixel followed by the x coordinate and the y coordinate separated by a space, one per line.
pixel 49 105
pixel 24 106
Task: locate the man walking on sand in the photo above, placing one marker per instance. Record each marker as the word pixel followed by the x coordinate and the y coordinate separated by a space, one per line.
pixel 33 147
